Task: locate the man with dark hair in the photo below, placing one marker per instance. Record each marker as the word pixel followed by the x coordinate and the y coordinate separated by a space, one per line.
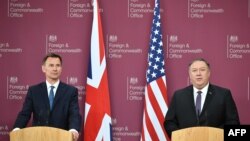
pixel 202 103
pixel 52 103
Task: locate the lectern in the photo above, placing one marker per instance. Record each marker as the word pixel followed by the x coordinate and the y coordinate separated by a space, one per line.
pixel 41 134
pixel 198 134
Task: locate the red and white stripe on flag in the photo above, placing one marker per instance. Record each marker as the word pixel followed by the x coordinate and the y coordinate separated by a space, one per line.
pixel 97 122
pixel 155 106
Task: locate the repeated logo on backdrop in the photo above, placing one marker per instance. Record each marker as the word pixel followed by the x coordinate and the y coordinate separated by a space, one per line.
pixel 121 131
pixel 78 8
pixel 4 130
pixel 177 49
pixel 236 48
pixel 6 47
pixel 15 89
pixel 117 49
pixel 53 45
pixel 198 9
pixel 135 91
pixel 137 8
pixel 20 8
pixel 73 80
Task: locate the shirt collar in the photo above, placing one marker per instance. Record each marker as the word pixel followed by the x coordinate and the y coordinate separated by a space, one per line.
pixel 203 90
pixel 55 84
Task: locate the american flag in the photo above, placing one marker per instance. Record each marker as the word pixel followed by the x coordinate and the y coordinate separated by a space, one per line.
pixel 155 106
pixel 97 123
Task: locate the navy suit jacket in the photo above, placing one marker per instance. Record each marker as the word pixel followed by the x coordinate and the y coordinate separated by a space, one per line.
pixel 219 109
pixel 64 114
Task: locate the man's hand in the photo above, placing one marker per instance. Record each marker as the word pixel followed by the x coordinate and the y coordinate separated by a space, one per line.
pixel 15 129
pixel 75 134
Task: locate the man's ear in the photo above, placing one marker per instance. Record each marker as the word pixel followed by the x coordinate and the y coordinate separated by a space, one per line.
pixel 43 68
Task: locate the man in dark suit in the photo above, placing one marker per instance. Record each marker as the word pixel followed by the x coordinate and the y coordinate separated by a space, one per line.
pixel 52 103
pixel 201 104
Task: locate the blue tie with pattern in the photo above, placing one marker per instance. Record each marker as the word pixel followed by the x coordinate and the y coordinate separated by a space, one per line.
pixel 51 97
pixel 198 103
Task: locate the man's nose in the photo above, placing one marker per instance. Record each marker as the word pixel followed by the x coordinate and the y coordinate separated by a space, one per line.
pixel 198 72
pixel 55 68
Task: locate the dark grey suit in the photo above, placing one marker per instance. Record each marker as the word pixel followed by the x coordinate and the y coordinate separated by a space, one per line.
pixel 219 109
pixel 65 113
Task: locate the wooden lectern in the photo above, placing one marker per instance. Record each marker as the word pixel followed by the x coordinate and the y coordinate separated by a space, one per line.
pixel 198 134
pixel 41 134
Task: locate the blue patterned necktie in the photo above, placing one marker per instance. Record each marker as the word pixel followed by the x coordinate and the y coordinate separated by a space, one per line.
pixel 51 97
pixel 198 103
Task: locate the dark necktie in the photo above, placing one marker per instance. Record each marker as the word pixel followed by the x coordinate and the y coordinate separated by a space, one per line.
pixel 198 103
pixel 51 97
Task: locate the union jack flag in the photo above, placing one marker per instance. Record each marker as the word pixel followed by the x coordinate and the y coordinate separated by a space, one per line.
pixel 97 123
pixel 155 106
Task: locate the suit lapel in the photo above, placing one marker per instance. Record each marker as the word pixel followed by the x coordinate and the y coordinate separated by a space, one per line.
pixel 44 95
pixel 59 93
pixel 191 97
pixel 210 94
